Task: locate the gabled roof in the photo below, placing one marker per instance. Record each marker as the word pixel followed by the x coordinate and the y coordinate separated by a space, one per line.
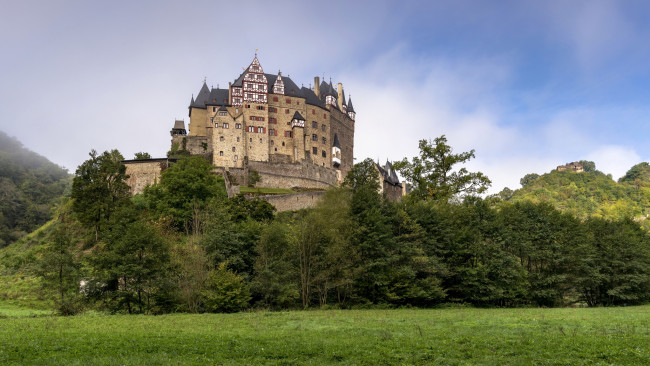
pixel 336 141
pixel 202 98
pixel 350 107
pixel 388 173
pixel 218 97
pixel 311 98
pixel 297 116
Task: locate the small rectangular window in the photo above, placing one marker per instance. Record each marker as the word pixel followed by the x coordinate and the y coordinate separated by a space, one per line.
pixel 286 111
pixel 324 154
pixel 220 153
pixel 314 137
pixel 275 99
pixel 313 111
pixel 216 125
pixel 238 125
pixel 251 129
pixel 314 124
pixel 314 151
pixel 288 134
pixel 225 125
pixel 324 140
pixel 288 101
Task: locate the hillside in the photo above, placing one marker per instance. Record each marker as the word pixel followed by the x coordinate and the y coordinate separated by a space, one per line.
pixel 592 193
pixel 30 185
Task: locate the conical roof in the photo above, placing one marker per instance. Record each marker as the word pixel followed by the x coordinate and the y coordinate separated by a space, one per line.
pixel 349 105
pixel 202 98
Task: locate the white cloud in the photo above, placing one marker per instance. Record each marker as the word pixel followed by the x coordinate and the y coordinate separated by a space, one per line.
pixel 614 160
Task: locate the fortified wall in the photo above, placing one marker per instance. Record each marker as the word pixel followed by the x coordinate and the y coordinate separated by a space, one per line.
pixel 144 172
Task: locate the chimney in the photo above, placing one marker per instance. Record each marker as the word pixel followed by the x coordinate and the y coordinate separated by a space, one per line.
pixel 229 93
pixel 340 91
pixel 317 86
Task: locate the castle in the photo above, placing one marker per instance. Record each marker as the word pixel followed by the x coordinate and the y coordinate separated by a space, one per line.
pixel 289 136
pixel 294 137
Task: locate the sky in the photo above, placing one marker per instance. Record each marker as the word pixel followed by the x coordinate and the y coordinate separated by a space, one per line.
pixel 528 85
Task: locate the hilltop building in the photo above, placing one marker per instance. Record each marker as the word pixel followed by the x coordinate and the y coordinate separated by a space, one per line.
pixel 575 167
pixel 292 136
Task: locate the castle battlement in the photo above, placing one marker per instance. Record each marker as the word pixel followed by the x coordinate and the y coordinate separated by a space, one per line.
pixel 267 118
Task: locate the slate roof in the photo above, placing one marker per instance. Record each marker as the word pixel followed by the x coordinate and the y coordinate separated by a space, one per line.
pixel 388 173
pixel 202 98
pixel 311 98
pixel 270 78
pixel 240 79
pixel 218 97
pixel 343 96
pixel 336 141
pixel 290 88
pixel 350 107
pixel 223 108
pixel 297 116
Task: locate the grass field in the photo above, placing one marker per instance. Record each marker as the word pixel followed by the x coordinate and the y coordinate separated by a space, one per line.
pixel 604 336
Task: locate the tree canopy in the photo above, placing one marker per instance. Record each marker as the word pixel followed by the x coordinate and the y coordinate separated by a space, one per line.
pixel 433 173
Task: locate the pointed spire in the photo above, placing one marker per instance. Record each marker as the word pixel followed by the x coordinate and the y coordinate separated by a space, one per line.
pixel 350 107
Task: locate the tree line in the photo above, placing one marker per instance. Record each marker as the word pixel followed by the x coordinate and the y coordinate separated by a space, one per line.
pixel 183 245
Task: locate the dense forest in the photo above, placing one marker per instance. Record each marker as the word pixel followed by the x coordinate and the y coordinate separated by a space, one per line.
pixel 590 193
pixel 183 245
pixel 30 185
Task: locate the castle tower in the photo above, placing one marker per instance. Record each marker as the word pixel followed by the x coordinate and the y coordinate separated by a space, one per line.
pixel 298 133
pixel 198 112
pixel 350 109
pixel 341 98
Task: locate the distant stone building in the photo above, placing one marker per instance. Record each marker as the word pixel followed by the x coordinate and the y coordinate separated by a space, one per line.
pixel 389 183
pixel 575 167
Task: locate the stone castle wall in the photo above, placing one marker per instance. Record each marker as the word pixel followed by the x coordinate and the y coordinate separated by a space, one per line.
pixel 144 172
pixel 296 175
pixel 294 201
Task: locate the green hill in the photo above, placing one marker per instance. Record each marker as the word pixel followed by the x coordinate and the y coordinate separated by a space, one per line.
pixel 591 193
pixel 30 185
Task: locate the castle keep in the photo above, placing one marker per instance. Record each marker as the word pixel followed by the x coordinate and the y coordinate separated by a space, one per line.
pixel 292 136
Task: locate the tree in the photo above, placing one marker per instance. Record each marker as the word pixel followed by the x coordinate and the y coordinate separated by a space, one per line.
pixel 142 155
pixel 99 188
pixel 130 265
pixel 60 270
pixel 432 174
pixel 227 292
pixel 184 190
pixel 588 166
pixel 528 178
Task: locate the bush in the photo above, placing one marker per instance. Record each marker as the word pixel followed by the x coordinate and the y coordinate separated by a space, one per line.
pixel 227 292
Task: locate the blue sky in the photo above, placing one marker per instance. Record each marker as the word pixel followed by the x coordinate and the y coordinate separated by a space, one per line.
pixel 528 84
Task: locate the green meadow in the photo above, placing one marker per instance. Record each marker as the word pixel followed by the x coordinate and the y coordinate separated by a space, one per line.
pixel 454 336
